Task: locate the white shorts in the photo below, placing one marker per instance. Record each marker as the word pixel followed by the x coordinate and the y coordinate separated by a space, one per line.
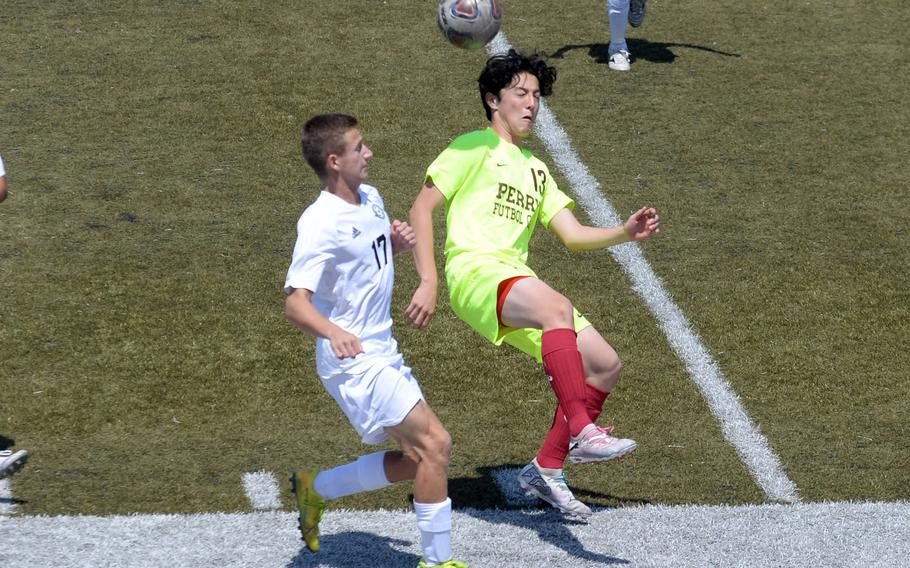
pixel 380 397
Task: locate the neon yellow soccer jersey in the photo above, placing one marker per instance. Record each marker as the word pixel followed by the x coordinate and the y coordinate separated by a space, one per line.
pixel 496 193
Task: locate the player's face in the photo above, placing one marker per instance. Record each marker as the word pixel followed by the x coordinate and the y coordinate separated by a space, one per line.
pixel 515 110
pixel 352 163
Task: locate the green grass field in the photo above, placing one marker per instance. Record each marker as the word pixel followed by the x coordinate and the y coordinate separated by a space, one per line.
pixel 152 154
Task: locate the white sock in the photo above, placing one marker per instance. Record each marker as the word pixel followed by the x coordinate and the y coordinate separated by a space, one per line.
pixel 618 12
pixel 435 523
pixel 365 474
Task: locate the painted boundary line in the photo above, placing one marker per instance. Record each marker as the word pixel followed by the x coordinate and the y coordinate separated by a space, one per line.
pixel 7 503
pixel 736 425
pixel 262 490
pixel 770 535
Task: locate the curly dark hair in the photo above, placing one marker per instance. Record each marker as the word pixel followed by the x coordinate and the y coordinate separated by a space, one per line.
pixel 501 70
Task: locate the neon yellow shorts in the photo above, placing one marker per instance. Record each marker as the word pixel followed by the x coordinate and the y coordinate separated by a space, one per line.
pixel 473 286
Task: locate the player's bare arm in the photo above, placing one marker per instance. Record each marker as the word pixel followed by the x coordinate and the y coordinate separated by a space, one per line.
pixel 423 303
pixel 640 225
pixel 403 237
pixel 301 312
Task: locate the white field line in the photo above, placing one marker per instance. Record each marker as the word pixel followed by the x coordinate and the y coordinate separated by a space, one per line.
pixel 736 425
pixel 262 490
pixel 7 504
pixel 770 535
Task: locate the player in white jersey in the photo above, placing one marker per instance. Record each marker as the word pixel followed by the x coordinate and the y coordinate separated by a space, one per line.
pixel 339 289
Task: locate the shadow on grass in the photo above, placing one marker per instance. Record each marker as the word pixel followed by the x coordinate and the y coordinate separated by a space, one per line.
pixel 6 443
pixel 476 496
pixel 550 527
pixel 483 492
pixel 355 550
pixel 655 52
pixel 12 501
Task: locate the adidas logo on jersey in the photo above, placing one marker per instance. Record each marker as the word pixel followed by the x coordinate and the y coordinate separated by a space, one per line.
pixel 355 233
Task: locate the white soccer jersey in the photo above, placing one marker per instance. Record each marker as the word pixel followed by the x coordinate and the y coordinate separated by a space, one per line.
pixel 2 171
pixel 343 255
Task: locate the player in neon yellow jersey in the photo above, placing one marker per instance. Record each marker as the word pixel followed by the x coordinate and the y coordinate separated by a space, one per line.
pixel 496 192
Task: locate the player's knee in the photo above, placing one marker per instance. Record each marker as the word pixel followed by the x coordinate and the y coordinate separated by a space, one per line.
pixel 440 446
pixel 434 446
pixel 558 312
pixel 604 372
pixel 412 454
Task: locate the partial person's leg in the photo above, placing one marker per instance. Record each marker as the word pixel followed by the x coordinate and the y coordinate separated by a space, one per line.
pixel 636 12
pixel 425 442
pixel 314 488
pixel 548 483
pixel 602 364
pixel 618 13
pixel 370 400
pixel 602 369
pixel 531 303
pixel 367 473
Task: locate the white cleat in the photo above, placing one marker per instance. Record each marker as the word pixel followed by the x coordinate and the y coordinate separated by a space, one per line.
pixel 595 444
pixel 11 462
pixel 620 61
pixel 553 490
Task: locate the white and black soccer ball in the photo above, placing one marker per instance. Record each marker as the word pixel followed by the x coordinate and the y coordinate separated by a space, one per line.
pixel 469 24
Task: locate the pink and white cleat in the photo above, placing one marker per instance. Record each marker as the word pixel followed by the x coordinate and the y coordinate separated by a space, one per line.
pixel 595 444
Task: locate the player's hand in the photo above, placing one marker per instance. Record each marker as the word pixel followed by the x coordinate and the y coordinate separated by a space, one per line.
pixel 403 237
pixel 345 345
pixel 422 307
pixel 642 224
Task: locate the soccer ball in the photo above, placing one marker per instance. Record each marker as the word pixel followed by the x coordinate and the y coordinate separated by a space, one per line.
pixel 469 24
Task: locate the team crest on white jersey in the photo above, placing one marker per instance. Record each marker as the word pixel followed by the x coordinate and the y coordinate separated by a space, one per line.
pixel 378 211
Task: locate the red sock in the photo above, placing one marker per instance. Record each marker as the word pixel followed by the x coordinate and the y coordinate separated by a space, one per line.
pixel 563 364
pixel 555 447
pixel 594 401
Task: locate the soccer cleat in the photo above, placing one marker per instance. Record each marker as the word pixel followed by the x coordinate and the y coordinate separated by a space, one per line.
pixel 554 490
pixel 11 462
pixel 311 506
pixel 636 12
pixel 446 564
pixel 597 444
pixel 620 61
